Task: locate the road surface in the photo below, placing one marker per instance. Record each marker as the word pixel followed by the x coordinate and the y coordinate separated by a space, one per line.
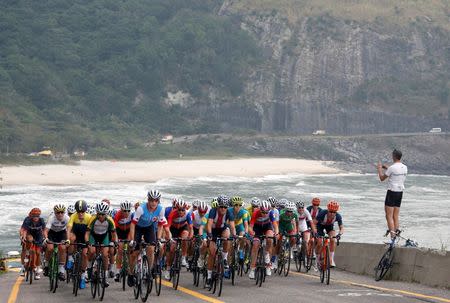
pixel 297 287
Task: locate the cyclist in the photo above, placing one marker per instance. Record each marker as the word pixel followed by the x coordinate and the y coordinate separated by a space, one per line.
pixel 214 203
pixel 281 204
pixel 305 219
pixel 254 204
pixel 112 249
pixel 122 220
pixel 194 206
pixel 325 223
pixel 76 228
pixel 263 222
pixel 32 231
pixel 100 227
pixel 288 225
pixel 241 218
pixel 56 231
pixel 169 209
pixel 220 221
pixel 180 224
pixel 199 220
pixel 148 223
pixel 314 208
pixel 70 210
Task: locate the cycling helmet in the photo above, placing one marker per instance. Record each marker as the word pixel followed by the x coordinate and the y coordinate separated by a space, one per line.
pixel 59 208
pixel 106 201
pixel 265 206
pixel 282 203
pixel 333 206
pixel 236 200
pixel 202 207
pixel 272 201
pixel 290 206
pixel 223 201
pixel 195 203
pixel 112 212
pixel 125 205
pixel 255 202
pixel 315 201
pixel 154 194
pixel 182 204
pixel 34 212
pixel 81 206
pixel 70 209
pixel 91 210
pixel 102 208
pixel 299 204
pixel 214 203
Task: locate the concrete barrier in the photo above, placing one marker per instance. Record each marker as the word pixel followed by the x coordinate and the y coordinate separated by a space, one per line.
pixel 425 266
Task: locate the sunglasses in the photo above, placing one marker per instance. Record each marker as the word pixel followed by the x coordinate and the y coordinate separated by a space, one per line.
pixel 181 209
pixel 60 212
pixel 101 214
pixel 289 211
pixel 126 211
pixel 264 212
pixel 153 200
pixel 332 212
pixel 223 207
pixel 35 216
pixel 80 212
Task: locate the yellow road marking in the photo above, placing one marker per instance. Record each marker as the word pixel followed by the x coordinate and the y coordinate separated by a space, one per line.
pixel 192 293
pixel 15 290
pixel 378 288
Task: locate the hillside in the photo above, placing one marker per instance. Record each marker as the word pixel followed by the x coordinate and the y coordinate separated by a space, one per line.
pixel 111 76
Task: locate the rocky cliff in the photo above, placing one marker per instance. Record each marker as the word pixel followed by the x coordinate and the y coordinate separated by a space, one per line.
pixel 341 75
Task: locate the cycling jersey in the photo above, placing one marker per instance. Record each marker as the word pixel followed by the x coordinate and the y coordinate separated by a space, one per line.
pixel 57 225
pixel 197 220
pixel 101 228
pixel 261 219
pixel 78 226
pixel 324 219
pixel 305 215
pixel 145 218
pixel 313 212
pixel 286 225
pixel 250 210
pixel 35 229
pixel 220 221
pixel 167 212
pixel 122 220
pixel 239 218
pixel 178 220
pixel 275 214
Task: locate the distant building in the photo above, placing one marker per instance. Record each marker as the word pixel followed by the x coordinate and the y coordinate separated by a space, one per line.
pixel 45 153
pixel 167 139
pixel 79 153
pixel 319 132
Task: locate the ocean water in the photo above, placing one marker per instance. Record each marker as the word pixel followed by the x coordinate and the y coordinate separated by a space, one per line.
pixel 424 215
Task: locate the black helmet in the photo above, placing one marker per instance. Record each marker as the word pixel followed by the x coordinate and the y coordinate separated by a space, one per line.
pixel 81 206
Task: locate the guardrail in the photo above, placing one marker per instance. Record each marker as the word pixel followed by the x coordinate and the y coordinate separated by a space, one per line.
pixel 421 265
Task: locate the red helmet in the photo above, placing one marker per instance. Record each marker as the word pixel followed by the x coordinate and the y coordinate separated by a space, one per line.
pixel 333 206
pixel 106 201
pixel 35 212
pixel 315 201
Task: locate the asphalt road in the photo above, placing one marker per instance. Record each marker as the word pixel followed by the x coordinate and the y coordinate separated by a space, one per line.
pixel 297 287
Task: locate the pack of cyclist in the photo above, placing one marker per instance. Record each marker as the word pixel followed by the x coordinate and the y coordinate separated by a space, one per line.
pixel 148 224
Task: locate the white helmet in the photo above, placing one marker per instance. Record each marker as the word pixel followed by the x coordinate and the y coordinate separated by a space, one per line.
pixel 196 203
pixel 255 202
pixel 71 209
pixel 154 194
pixel 181 204
pixel 282 203
pixel 202 206
pixel 265 206
pixel 290 206
pixel 125 205
pixel 102 208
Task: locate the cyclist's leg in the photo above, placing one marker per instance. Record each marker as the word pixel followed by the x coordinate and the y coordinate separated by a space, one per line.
pixel 321 233
pixel 396 218
pixel 211 257
pixel 269 233
pixel 332 233
pixel 389 211
pixel 151 248
pixel 226 244
pixel 184 244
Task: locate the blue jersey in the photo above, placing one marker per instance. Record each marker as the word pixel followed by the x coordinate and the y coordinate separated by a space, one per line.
pixel 145 218
pixel 220 221
pixel 325 220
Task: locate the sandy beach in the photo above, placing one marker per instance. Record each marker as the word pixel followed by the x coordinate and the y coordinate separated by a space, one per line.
pixel 146 171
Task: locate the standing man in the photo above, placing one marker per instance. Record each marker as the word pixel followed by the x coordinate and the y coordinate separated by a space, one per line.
pixel 396 175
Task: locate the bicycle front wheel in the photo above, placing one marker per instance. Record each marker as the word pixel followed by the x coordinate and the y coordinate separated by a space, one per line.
pixel 176 270
pixel 287 259
pixel 94 279
pixel 147 282
pixel 102 280
pixel 328 266
pixel 384 265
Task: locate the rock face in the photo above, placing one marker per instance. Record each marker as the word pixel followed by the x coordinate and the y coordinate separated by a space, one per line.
pixel 318 70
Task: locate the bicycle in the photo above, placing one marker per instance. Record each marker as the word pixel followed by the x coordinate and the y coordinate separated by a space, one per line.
pixel 284 256
pixel 300 256
pixel 175 269
pixel 386 261
pixel 325 263
pixel 123 273
pixel 143 278
pixel 157 267
pixel 218 269
pixel 29 259
pixel 193 267
pixel 98 273
pixel 260 270
pixel 310 253
pixel 53 265
pixel 76 269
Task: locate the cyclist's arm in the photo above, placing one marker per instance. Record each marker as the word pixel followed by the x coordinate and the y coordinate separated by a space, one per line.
pixel 132 229
pixel 341 229
pixel 275 227
pixel 246 226
pixel 209 226
pixel 191 231
pixel 233 228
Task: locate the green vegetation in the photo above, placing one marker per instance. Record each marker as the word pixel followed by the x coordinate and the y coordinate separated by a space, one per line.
pixel 94 74
pixel 400 12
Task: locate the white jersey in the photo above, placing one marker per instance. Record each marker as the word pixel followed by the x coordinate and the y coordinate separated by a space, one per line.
pixel 397 174
pixel 55 225
pixel 304 216
pixel 197 221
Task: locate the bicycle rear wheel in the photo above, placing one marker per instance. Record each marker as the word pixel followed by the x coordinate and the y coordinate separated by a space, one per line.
pixel 157 276
pixel 76 274
pixel 287 258
pixel 137 279
pixel 220 274
pixel 146 280
pixel 309 255
pixel 384 265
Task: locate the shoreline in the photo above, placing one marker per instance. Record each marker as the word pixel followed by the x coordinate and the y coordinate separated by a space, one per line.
pixel 150 171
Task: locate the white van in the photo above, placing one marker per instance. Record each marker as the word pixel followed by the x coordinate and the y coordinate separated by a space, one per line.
pixel 435 130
